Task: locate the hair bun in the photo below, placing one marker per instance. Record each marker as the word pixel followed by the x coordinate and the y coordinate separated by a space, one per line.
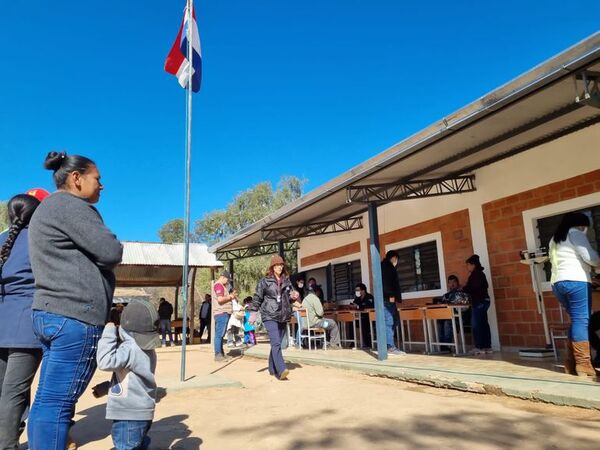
pixel 54 160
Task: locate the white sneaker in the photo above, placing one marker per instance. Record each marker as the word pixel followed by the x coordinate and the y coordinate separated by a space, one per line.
pixel 230 345
pixel 396 351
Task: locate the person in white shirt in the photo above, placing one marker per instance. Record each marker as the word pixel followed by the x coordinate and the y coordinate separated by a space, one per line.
pixel 572 258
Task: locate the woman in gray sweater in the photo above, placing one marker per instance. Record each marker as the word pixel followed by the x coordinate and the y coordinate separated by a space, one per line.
pixel 73 255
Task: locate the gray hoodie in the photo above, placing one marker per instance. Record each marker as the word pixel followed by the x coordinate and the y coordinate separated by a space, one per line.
pixel 72 256
pixel 132 391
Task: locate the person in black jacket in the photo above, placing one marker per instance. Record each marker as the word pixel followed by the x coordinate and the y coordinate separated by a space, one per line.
pixel 391 296
pixel 274 297
pixel 477 288
pixel 165 311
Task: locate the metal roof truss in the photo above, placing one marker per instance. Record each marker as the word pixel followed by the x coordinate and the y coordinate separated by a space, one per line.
pixel 258 250
pixel 390 192
pixel 313 229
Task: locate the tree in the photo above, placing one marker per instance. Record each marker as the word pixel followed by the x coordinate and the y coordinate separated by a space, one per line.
pixel 3 216
pixel 245 209
pixel 171 232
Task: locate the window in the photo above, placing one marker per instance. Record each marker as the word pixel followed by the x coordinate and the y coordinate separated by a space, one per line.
pixel 547 226
pixel 418 267
pixel 345 277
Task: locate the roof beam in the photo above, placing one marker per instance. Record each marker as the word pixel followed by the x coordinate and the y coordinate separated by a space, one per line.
pixel 390 192
pixel 312 229
pixel 257 250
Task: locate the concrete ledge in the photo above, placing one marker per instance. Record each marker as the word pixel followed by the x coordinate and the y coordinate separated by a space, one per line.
pixel 200 382
pixel 465 374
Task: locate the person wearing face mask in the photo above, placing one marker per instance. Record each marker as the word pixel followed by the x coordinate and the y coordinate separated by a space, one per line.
pixel 391 296
pixel 572 258
pixel 363 300
pixel 299 284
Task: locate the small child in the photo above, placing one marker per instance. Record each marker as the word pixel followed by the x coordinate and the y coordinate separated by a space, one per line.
pixel 128 352
pixel 249 328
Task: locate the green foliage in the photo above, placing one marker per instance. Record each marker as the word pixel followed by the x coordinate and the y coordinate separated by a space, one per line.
pixel 3 216
pixel 246 208
pixel 171 232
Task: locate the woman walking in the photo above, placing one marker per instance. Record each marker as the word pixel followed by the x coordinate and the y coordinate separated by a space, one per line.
pixel 274 297
pixel 572 259
pixel 72 256
pixel 477 288
pixel 20 349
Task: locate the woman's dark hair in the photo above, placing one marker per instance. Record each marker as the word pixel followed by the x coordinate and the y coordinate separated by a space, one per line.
pixel 63 164
pixel 570 220
pixel 391 254
pixel 20 210
pixel 474 259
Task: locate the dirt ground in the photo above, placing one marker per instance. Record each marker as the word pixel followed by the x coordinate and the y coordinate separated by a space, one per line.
pixel 334 409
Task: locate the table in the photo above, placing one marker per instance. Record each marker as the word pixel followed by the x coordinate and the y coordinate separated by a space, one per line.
pixel 457 311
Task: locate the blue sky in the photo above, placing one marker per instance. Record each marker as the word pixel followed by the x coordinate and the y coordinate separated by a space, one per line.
pixel 308 88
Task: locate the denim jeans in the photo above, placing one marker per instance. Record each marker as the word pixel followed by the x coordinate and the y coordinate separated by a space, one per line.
pixel 165 328
pixel 390 312
pixel 276 331
pixel 482 336
pixel 68 363
pixel 131 434
pixel 575 297
pixel 220 329
pixel 445 331
pixel 17 369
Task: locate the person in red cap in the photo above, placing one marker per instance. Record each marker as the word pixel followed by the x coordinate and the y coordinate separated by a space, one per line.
pixel 38 193
pixel 273 298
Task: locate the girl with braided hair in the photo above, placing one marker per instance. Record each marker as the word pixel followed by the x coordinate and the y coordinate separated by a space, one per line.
pixel 20 349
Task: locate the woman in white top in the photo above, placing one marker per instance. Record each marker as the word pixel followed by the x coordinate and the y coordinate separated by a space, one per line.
pixel 572 258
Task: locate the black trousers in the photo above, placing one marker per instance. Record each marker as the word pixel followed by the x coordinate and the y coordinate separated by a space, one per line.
pixel 205 323
pixel 17 369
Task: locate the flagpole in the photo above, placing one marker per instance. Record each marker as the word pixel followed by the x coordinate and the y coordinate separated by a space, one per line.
pixel 188 174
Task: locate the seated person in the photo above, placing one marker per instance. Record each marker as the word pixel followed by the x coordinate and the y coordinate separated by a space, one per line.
pixel 363 300
pixel 454 296
pixel 314 312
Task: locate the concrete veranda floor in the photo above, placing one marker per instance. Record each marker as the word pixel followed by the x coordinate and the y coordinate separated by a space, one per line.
pixel 498 373
pixel 238 405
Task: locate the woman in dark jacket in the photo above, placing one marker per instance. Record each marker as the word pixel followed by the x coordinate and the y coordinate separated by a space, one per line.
pixel 477 288
pixel 273 298
pixel 20 349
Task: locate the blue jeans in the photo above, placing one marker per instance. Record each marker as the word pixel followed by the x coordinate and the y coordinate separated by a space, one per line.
pixel 276 331
pixel 68 363
pixel 165 328
pixel 131 434
pixel 575 297
pixel 390 312
pixel 221 321
pixel 482 336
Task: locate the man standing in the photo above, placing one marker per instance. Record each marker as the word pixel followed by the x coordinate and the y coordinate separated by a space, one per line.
pixel 391 296
pixel 165 311
pixel 222 309
pixel 314 311
pixel 205 316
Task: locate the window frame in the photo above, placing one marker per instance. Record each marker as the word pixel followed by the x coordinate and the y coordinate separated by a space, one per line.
pixel 531 216
pixel 437 237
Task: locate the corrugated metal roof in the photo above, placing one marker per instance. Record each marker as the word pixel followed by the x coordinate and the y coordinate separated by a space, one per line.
pixel 514 116
pixel 155 264
pixel 156 254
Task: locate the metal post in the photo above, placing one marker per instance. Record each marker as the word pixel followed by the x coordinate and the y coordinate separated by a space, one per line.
pixel 280 249
pixel 231 267
pixel 188 174
pixel 377 282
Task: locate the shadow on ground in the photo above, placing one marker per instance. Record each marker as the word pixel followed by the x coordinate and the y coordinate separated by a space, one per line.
pixel 172 433
pixel 465 430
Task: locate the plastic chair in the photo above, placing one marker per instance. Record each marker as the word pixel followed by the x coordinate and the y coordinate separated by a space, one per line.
pixel 310 333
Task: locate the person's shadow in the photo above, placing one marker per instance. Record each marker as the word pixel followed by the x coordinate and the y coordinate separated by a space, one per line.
pixel 171 432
